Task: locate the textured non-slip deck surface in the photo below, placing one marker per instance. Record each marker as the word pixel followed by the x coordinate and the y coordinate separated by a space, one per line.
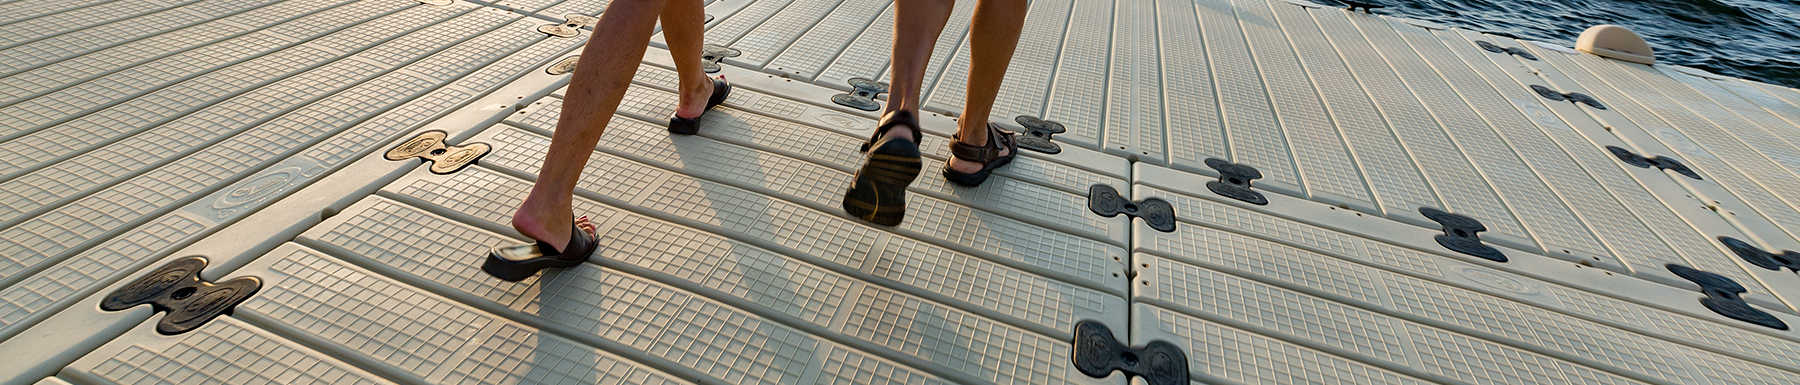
pixel 250 133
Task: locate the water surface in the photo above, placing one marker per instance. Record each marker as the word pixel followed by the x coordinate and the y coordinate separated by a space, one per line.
pixel 1751 39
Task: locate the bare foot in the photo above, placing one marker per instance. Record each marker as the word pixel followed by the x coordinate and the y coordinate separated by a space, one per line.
pixel 693 100
pixel 970 167
pixel 547 226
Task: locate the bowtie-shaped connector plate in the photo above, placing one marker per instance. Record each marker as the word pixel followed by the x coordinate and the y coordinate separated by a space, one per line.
pixel 1761 258
pixel 566 65
pixel 1460 234
pixel 712 54
pixel 1037 134
pixel 176 289
pixel 1659 162
pixel 1491 47
pixel 1107 202
pixel 571 26
pixel 863 92
pixel 429 146
pixel 1234 181
pixel 1572 97
pixel 1722 296
pixel 1097 354
pixel 1366 7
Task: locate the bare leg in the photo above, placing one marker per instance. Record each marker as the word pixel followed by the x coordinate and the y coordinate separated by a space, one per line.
pixel 993 34
pixel 917 24
pixel 606 68
pixel 878 194
pixel 684 24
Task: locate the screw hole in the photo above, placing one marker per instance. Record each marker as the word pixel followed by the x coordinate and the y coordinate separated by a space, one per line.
pixel 182 293
pixel 437 152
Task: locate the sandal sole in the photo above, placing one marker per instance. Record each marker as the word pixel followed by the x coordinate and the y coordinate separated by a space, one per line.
pixel 879 193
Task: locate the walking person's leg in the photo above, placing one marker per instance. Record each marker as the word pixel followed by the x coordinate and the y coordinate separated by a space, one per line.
pixel 879 192
pixel 980 147
pixel 684 28
pixel 546 216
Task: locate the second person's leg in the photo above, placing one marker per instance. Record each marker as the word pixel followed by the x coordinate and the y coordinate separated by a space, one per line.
pixel 879 192
pixel 993 34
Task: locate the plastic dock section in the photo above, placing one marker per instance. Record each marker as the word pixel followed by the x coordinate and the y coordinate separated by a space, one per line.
pixel 200 191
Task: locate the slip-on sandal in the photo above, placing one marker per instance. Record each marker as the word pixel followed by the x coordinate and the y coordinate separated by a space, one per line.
pixel 689 126
pixel 517 261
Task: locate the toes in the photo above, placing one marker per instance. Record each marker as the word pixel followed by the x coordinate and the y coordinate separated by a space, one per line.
pixel 585 225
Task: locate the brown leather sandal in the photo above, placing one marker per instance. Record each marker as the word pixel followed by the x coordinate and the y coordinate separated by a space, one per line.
pixel 999 140
pixel 879 193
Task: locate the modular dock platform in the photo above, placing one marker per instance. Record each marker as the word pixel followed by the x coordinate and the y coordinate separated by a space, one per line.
pixel 1433 205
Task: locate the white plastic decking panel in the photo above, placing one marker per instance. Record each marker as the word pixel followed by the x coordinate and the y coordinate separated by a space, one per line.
pixel 863 58
pixel 1325 165
pixel 1688 235
pixel 1725 191
pixel 56 94
pixel 320 96
pixel 1399 187
pixel 62 123
pixel 1222 354
pixel 28 78
pixel 1767 133
pixel 1729 135
pixel 1073 170
pixel 1389 328
pixel 1254 138
pixel 59 47
pixel 315 147
pixel 651 246
pixel 762 43
pixel 1764 97
pixel 1381 339
pixel 226 351
pixel 1785 95
pixel 29 30
pixel 696 333
pixel 72 224
pixel 821 185
pixel 844 26
pixel 1135 90
pixel 1026 84
pixel 1707 154
pixel 1566 322
pixel 410 334
pixel 1547 219
pixel 1445 166
pixel 1077 92
pixel 759 217
pixel 14 14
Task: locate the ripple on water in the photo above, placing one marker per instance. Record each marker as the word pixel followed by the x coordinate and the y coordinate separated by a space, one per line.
pixel 1751 39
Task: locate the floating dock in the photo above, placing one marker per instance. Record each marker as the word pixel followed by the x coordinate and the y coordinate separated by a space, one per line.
pixel 1354 199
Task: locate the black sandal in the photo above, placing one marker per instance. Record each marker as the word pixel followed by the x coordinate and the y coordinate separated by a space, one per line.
pixel 689 126
pixel 879 193
pixel 515 262
pixel 989 156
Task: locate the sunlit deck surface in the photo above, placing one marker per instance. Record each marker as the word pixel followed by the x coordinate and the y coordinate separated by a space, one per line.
pixel 252 133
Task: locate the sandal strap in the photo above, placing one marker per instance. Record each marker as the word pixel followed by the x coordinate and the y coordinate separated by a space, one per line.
pixel 891 119
pixel 998 141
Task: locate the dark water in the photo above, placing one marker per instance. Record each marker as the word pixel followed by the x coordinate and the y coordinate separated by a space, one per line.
pixel 1751 39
